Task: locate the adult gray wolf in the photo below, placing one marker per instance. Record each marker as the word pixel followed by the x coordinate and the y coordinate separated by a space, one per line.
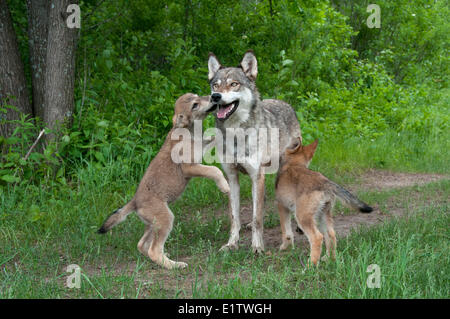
pixel 164 181
pixel 311 197
pixel 234 91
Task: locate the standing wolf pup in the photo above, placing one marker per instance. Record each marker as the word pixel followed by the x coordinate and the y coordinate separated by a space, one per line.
pixel 311 196
pixel 234 91
pixel 163 182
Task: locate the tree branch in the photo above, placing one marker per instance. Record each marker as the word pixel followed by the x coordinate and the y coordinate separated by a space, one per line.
pixel 34 144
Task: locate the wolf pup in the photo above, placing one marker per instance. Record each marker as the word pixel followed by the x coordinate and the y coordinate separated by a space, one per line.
pixel 311 196
pixel 163 182
pixel 234 91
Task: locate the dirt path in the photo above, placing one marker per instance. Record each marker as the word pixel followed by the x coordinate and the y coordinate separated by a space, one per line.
pixel 382 180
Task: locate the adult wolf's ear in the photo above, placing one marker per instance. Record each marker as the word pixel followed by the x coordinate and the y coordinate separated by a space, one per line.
pixel 250 65
pixel 213 65
pixel 294 145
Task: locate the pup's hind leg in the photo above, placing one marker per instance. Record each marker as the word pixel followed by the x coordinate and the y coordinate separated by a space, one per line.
pixel 306 208
pixel 160 218
pixel 144 244
pixel 331 247
pixel 287 237
pixel 322 223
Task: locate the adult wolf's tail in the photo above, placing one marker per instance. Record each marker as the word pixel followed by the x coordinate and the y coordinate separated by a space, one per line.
pixel 350 199
pixel 117 217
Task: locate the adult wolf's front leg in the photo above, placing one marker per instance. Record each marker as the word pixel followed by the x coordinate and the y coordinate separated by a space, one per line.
pixel 258 180
pixel 234 206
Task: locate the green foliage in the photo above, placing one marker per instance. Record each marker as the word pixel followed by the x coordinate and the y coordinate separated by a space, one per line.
pixel 413 40
pixel 343 79
pixel 15 167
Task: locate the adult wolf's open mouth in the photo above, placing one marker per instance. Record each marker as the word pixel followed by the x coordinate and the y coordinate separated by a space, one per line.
pixel 226 110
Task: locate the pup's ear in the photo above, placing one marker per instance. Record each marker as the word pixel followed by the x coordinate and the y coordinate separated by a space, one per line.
pixel 174 120
pixel 213 65
pixel 294 145
pixel 250 65
pixel 310 149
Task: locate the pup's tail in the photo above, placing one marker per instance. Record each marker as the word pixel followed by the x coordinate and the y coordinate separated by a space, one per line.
pixel 117 217
pixel 349 199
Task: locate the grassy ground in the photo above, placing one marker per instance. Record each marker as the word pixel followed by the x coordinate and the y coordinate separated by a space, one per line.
pixel 48 227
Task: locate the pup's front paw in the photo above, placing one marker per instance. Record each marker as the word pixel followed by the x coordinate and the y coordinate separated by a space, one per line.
pixel 224 187
pixel 180 265
pixel 170 264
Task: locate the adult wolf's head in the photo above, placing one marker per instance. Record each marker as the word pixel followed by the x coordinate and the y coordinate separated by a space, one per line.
pixel 233 89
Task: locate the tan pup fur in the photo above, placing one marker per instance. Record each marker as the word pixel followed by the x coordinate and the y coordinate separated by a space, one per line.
pixel 164 181
pixel 311 197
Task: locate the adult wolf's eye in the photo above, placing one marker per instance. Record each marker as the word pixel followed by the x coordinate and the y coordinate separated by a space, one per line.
pixel 194 106
pixel 215 86
pixel 234 84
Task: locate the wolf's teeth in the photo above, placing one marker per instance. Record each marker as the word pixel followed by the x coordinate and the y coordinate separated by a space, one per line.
pixel 225 110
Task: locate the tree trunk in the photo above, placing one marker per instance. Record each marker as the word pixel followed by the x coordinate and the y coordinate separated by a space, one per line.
pixel 13 87
pixel 60 67
pixel 37 35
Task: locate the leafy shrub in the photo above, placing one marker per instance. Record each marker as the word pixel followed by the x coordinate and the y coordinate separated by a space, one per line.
pixel 15 165
pixel 343 79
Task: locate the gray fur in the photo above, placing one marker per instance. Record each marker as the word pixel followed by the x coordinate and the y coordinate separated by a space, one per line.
pixel 250 112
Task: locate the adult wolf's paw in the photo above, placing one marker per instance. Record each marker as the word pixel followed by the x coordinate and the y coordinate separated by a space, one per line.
pixel 285 245
pixel 228 247
pixel 259 250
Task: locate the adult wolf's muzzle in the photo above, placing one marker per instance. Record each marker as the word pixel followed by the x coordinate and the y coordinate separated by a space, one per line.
pixel 225 110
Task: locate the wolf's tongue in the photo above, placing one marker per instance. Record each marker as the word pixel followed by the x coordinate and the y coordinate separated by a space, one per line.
pixel 223 110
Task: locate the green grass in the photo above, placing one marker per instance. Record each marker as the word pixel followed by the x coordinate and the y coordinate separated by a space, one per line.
pixel 45 228
pixel 412 258
pixel 392 151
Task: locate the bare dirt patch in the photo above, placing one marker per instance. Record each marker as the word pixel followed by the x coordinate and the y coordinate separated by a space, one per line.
pixel 382 180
